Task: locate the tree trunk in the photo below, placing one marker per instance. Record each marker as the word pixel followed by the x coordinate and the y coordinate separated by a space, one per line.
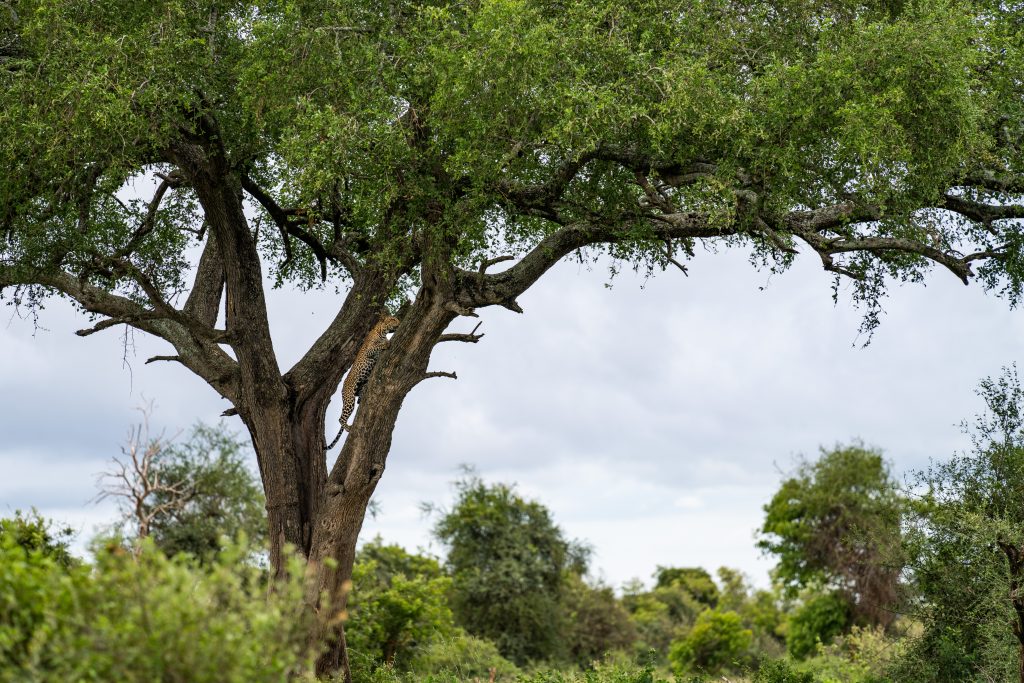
pixel 318 514
pixel 358 469
pixel 1015 560
pixel 321 516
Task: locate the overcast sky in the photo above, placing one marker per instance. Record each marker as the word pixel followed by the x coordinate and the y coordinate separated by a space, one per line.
pixel 654 418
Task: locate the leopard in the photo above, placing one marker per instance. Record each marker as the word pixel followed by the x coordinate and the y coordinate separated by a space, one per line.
pixel 373 345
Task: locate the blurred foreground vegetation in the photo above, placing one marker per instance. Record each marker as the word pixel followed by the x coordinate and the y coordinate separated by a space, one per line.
pixel 876 581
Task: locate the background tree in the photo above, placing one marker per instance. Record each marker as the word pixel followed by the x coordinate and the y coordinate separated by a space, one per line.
pixel 403 152
pixel 508 562
pixel 186 495
pixel 596 623
pixel 660 615
pixel 694 580
pixel 964 539
pixel 836 523
pixel 34 534
pixel 224 498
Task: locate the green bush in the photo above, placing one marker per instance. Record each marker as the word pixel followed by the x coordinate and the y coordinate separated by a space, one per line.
pixel 463 656
pixel 33 533
pixel 398 604
pixel 603 672
pixel 146 618
pixel 596 622
pixel 716 641
pixel 818 620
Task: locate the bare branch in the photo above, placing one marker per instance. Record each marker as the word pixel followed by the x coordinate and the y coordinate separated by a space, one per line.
pixel 828 247
pixel 470 338
pixel 199 354
pixel 100 326
pixel 154 359
pixel 502 289
pixel 429 375
pixel 136 482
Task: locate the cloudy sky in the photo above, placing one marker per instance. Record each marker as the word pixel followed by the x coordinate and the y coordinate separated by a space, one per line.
pixel 654 418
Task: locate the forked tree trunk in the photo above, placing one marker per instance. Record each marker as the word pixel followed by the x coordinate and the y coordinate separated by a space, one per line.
pixel 321 514
pixel 316 511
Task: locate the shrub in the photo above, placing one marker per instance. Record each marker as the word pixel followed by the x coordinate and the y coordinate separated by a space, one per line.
pixel 780 671
pixel 818 620
pixel 716 641
pixel 603 672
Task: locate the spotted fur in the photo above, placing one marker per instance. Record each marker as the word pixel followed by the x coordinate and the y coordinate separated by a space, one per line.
pixel 376 341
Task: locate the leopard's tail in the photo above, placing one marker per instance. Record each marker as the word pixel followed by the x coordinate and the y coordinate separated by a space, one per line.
pixel 340 432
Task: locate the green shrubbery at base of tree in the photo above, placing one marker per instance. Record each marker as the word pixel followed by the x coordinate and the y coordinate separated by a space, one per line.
pixel 143 617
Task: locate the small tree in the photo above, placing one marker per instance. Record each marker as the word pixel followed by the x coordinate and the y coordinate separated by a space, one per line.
pixel 596 622
pixel 186 495
pixel 398 602
pixel 508 562
pixel 819 619
pixel 694 580
pixel 836 522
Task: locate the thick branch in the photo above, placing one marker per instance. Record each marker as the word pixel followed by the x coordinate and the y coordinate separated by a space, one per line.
pixel 201 356
pixel 981 212
pixel 290 226
pixel 1009 183
pixel 502 289
pixel 203 303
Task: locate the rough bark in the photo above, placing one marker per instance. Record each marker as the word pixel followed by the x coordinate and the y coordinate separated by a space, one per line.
pixel 1015 561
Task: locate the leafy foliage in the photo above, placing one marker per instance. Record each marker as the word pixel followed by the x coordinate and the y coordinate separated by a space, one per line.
pixel 37 535
pixel 596 623
pixel 817 621
pixel 462 656
pixel 398 602
pixel 694 580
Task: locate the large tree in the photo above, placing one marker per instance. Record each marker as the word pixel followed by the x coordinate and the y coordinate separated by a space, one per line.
pixel 400 150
